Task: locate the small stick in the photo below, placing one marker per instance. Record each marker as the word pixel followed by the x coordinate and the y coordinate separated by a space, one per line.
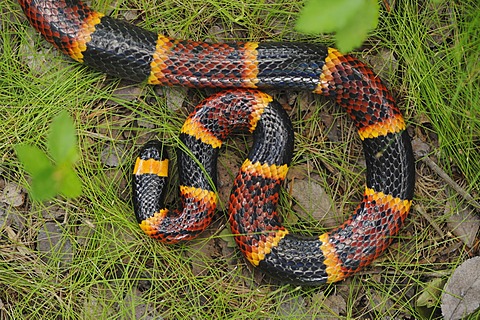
pixel 430 220
pixel 452 183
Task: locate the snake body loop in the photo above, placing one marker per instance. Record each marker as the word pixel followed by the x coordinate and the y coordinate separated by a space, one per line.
pixel 126 51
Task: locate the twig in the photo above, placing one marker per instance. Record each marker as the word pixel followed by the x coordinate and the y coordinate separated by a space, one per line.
pixel 452 183
pixel 430 220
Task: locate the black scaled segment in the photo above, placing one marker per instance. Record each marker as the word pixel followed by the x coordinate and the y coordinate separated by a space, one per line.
pixel 285 263
pixel 149 189
pixel 290 65
pixel 386 170
pixel 189 168
pixel 273 137
pixel 130 60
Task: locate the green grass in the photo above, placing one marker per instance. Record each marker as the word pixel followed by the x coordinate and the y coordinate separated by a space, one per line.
pixel 442 77
pixel 116 272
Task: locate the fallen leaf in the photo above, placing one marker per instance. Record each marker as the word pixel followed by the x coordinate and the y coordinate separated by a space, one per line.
pixel 464 224
pixel 461 296
pixel 420 148
pixel 12 194
pixel 312 199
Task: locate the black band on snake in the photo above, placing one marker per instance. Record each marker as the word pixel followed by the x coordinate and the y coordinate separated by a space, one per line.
pixel 126 51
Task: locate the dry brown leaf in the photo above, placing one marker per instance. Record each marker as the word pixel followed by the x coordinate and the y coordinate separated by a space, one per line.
pixel 464 224
pixel 461 296
pixel 313 200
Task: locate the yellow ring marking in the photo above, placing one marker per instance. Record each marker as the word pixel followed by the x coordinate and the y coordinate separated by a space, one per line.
pixel 162 48
pixel 149 225
pixel 265 246
pixel 265 170
pixel 251 63
pixel 396 204
pixel 326 78
pixel 84 36
pixel 152 166
pixel 382 128
pixel 333 263
pixel 262 101
pixel 199 194
pixel 197 130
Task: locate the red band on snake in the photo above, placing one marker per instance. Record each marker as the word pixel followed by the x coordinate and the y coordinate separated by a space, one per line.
pixel 126 51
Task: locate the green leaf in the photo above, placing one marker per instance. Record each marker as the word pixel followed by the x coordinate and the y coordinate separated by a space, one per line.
pixel 226 235
pixel 34 160
pixel 321 16
pixel 351 20
pixel 48 178
pixel 431 293
pixel 69 185
pixel 62 140
pixel 41 170
pixel 354 33
pixel 43 186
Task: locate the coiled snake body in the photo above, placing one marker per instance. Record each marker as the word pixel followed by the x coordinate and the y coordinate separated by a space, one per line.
pixel 126 51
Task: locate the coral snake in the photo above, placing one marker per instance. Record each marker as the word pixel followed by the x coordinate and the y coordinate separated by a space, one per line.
pixel 126 51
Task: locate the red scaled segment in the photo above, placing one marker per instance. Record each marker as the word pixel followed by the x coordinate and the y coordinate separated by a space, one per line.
pixel 256 229
pixel 198 208
pixel 356 88
pixel 216 117
pixel 369 231
pixel 66 26
pixel 201 64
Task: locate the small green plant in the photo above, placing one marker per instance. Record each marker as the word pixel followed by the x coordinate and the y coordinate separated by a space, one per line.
pixel 50 178
pixel 350 20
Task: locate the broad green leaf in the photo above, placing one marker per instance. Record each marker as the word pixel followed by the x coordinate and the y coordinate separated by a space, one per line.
pixel 350 19
pixel 43 186
pixel 69 185
pixel 322 16
pixel 49 179
pixel 354 33
pixel 431 293
pixel 41 170
pixel 34 160
pixel 226 235
pixel 62 140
